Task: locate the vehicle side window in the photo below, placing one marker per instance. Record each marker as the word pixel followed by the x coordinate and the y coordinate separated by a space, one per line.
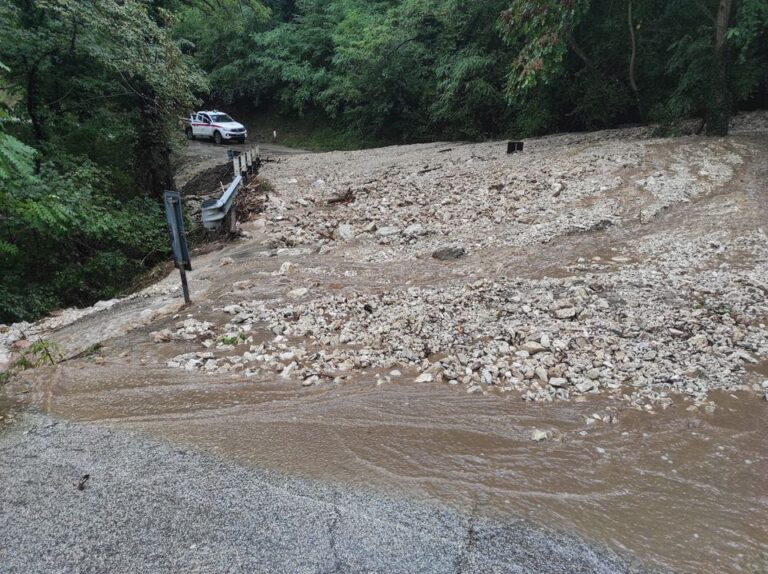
pixel 206 119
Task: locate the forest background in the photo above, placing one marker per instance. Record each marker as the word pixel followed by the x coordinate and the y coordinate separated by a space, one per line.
pixel 91 92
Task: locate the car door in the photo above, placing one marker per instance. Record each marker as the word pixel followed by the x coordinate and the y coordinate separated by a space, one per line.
pixel 205 126
pixel 197 126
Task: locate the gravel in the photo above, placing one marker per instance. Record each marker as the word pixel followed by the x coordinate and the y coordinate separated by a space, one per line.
pixel 641 338
pixel 480 197
pixel 150 507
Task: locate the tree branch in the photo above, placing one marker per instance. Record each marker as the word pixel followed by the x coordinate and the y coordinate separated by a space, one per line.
pixel 579 52
pixel 633 55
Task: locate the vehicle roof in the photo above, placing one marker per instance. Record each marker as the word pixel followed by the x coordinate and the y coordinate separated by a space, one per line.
pixel 211 112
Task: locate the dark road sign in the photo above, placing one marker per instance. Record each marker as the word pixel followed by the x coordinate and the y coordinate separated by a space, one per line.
pixel 175 219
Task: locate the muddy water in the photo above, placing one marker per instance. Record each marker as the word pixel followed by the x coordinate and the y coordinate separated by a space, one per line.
pixel 7 412
pixel 687 490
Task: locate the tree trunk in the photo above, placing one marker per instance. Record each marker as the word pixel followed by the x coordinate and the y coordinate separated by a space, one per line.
pixel 633 58
pixel 153 154
pixel 719 108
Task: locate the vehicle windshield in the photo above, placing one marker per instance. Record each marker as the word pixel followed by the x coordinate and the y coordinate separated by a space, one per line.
pixel 221 118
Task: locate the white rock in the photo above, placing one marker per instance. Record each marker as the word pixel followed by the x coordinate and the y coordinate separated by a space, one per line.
pixel 585 386
pixel 540 435
pixel 387 231
pixel 414 230
pixel 345 232
pixel 312 380
pixel 297 293
pixel 161 336
pixel 566 313
pixel 532 347
pixel 287 268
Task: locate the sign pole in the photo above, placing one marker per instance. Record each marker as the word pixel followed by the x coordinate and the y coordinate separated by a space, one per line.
pixel 184 285
pixel 175 219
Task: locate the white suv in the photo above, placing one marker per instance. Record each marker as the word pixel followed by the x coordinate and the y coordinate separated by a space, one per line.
pixel 214 125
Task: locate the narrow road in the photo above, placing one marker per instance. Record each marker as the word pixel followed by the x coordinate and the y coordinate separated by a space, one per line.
pixel 150 507
pixel 198 156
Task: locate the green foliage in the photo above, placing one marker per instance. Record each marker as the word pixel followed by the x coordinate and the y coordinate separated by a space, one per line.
pixel 81 65
pixel 219 37
pixel 582 56
pixel 67 240
pixel 408 70
pixel 91 92
pixel 541 31
pixel 41 352
pixel 395 71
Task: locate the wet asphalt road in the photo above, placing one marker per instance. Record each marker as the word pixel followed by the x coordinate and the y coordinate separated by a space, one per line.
pixel 151 507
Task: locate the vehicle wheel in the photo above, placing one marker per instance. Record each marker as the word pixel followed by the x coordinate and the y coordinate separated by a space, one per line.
pixel 217 138
pixel 190 135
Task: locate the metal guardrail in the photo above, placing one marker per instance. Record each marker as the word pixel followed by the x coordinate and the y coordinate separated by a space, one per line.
pixel 214 211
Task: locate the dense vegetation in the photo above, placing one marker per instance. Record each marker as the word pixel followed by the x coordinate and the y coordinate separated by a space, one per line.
pixel 91 89
pixel 90 92
pixel 418 69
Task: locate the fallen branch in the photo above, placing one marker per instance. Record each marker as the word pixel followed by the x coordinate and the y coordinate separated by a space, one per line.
pixel 346 197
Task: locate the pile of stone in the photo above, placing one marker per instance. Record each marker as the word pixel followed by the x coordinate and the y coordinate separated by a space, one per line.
pixel 667 316
pixel 402 201
pixel 640 336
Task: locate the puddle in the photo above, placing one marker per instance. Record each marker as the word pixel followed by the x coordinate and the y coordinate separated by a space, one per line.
pixel 684 489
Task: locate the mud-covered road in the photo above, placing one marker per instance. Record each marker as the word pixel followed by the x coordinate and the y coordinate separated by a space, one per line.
pixel 201 155
pixel 574 335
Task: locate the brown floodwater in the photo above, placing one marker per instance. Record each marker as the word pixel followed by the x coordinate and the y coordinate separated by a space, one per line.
pixel 5 410
pixel 684 489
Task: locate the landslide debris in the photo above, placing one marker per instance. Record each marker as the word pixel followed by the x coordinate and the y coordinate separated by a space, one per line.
pixel 609 263
pixel 670 309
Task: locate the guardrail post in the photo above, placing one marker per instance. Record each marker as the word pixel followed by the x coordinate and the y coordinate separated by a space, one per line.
pixel 256 160
pixel 239 166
